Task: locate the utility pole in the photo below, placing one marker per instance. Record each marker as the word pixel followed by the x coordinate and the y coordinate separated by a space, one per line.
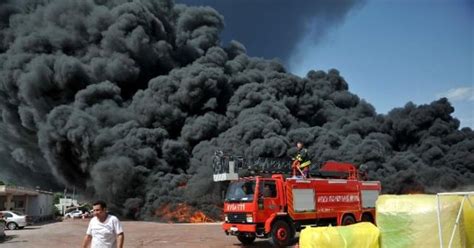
pixel 64 207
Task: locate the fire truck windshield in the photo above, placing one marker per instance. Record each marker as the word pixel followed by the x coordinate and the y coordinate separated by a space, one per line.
pixel 241 191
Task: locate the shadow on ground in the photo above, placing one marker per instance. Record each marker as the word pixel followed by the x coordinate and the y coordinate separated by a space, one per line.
pixel 264 243
pixel 9 239
pixel 45 222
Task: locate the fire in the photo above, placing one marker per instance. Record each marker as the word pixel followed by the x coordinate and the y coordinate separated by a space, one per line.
pixel 182 185
pixel 181 213
pixel 413 190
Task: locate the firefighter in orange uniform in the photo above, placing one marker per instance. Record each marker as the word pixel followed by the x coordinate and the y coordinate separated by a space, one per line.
pixel 303 158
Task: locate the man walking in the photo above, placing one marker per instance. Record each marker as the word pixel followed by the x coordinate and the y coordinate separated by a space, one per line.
pixel 105 230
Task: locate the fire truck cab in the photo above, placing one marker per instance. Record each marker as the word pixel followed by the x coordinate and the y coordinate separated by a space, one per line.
pixel 277 207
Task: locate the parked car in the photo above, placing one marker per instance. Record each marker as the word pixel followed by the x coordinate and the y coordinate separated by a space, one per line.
pixel 74 214
pixel 87 214
pixel 14 220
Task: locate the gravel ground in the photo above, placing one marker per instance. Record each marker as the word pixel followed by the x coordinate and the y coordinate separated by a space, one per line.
pixel 69 233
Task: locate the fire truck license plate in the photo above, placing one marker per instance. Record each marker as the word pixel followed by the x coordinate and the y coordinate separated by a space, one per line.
pixel 233 229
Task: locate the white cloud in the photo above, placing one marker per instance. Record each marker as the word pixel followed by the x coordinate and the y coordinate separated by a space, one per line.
pixel 459 94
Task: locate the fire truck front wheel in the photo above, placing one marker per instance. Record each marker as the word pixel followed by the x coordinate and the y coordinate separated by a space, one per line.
pixel 281 233
pixel 246 240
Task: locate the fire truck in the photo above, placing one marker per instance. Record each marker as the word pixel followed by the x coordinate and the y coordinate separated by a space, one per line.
pixel 277 205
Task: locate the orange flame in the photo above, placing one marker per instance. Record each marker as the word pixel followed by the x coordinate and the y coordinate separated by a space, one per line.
pixel 182 185
pixel 181 213
pixel 413 190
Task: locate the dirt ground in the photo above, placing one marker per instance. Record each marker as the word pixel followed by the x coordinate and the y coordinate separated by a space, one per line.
pixel 69 233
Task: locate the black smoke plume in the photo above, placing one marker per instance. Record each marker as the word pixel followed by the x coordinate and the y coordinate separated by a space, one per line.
pixel 127 101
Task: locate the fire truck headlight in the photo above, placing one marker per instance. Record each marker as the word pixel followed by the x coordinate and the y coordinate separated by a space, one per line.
pixel 226 218
pixel 249 218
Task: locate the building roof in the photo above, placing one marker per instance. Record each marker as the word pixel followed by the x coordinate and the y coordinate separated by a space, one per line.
pixel 17 190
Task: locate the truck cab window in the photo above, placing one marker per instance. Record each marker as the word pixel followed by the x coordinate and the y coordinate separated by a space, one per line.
pixel 242 191
pixel 269 189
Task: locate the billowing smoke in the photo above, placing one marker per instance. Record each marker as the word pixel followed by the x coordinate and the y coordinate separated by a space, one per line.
pixel 127 101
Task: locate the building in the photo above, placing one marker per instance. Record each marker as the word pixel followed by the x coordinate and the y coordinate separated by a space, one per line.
pixel 33 202
pixel 65 204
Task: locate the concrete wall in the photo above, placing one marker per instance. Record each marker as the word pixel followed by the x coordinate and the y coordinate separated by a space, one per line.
pixel 41 205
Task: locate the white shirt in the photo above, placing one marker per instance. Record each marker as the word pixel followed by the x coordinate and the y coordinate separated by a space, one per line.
pixel 104 234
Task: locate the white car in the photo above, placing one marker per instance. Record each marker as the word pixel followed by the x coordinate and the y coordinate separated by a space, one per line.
pixel 14 220
pixel 74 214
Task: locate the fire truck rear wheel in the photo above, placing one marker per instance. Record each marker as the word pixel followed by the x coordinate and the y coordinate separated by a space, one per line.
pixel 366 217
pixel 246 240
pixel 348 220
pixel 282 234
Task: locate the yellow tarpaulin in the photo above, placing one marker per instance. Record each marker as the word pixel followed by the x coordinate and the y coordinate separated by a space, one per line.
pixel 361 235
pixel 407 221
pixel 469 221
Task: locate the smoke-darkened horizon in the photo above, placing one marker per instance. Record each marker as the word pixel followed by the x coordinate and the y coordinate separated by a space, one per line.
pixel 127 101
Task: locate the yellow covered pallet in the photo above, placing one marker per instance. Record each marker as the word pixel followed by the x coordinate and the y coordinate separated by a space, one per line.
pixel 411 221
pixel 469 221
pixel 361 235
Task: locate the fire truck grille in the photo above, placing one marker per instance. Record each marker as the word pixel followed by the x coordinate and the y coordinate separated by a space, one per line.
pixel 236 217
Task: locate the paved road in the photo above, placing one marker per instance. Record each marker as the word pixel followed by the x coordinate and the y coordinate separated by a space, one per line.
pixel 69 233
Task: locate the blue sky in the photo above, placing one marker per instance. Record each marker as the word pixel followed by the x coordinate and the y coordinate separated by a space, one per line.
pixel 393 52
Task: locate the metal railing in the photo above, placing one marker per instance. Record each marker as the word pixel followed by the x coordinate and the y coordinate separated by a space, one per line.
pixel 221 161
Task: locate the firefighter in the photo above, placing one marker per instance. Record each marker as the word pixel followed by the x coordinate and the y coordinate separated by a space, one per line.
pixel 267 191
pixel 244 190
pixel 303 158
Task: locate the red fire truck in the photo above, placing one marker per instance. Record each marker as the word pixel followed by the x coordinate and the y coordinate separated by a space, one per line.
pixel 277 206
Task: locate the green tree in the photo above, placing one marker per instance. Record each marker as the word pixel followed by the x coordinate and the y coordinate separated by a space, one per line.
pixel 56 197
